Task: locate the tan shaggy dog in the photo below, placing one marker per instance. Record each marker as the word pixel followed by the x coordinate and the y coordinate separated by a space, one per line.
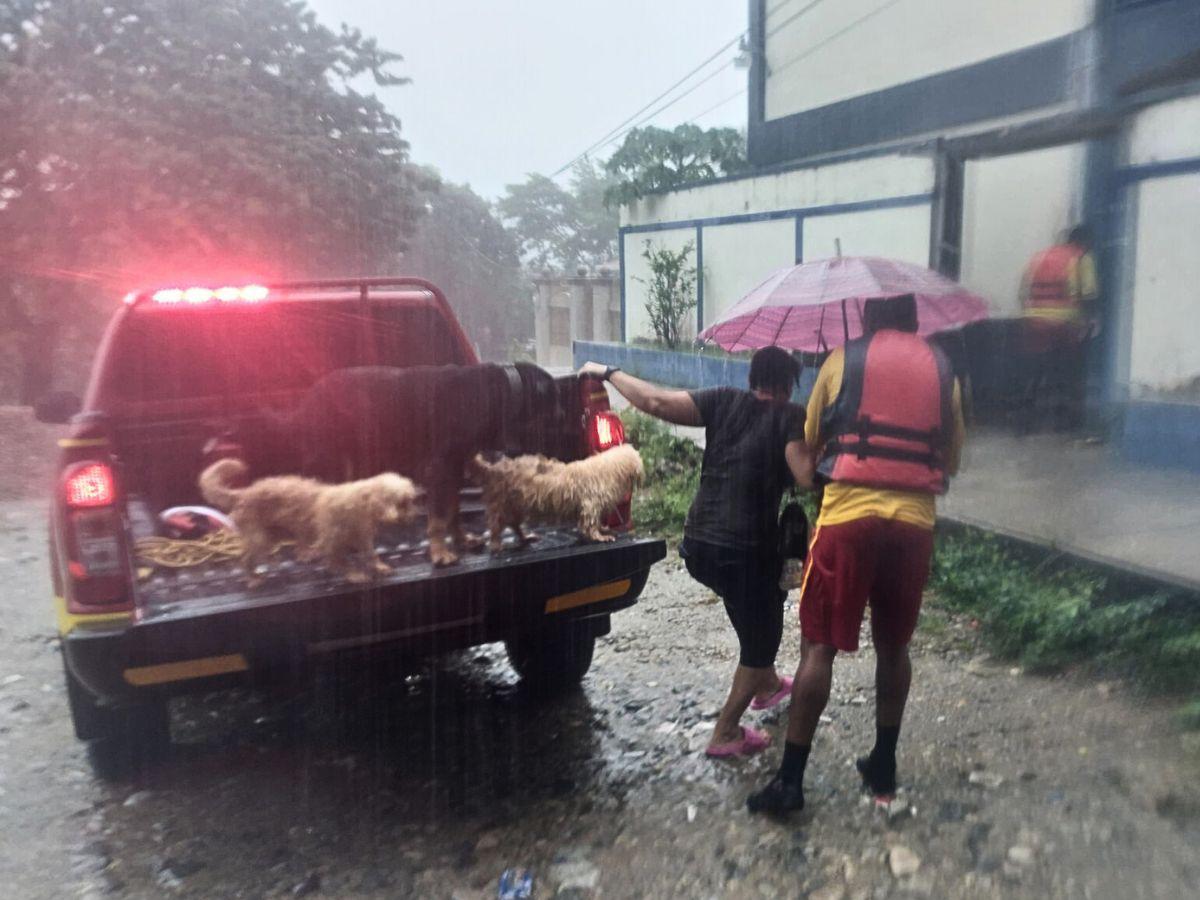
pixel 537 489
pixel 334 523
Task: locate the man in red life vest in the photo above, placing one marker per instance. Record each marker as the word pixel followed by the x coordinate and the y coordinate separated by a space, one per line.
pixel 1058 296
pixel 885 422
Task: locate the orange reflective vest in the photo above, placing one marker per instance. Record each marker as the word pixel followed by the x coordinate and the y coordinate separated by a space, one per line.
pixel 1049 282
pixel 892 423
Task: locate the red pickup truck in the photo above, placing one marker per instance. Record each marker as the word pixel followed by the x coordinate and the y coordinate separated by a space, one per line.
pixel 174 362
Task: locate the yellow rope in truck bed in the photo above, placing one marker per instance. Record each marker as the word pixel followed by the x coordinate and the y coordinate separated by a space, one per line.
pixel 171 553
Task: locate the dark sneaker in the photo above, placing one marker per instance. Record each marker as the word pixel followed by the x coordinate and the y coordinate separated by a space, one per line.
pixel 778 798
pixel 879 777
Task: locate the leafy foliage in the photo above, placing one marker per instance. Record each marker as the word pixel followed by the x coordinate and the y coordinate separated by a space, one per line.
pixel 671 291
pixel 464 249
pixel 651 160
pixel 150 140
pixel 562 229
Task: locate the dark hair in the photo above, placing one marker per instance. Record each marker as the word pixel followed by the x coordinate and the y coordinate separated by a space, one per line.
pixel 773 369
pixel 895 313
pixel 1080 235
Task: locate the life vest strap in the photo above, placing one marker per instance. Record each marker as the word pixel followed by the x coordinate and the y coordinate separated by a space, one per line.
pixel 865 450
pixel 866 427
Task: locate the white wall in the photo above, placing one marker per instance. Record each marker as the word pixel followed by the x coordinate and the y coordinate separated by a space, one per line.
pixel 828 54
pixel 637 323
pixel 1164 266
pixel 901 233
pixel 1165 132
pixel 848 182
pixel 1014 206
pixel 737 258
pixel 1165 348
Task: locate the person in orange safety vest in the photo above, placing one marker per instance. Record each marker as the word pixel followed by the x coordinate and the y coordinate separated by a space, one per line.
pixel 1058 298
pixel 886 425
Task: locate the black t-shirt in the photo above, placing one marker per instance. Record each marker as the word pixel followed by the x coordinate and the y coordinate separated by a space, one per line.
pixel 744 473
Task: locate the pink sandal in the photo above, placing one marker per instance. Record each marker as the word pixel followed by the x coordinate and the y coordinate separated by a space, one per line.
pixel 785 690
pixel 752 741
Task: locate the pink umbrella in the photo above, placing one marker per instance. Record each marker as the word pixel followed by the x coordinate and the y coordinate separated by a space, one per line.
pixel 818 305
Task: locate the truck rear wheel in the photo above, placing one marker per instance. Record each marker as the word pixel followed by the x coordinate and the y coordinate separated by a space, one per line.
pixel 120 739
pixel 553 658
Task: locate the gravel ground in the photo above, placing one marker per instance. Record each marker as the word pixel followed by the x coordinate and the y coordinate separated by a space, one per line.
pixel 429 784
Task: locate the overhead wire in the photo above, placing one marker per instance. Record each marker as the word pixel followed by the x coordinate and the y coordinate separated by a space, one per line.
pixel 604 140
pixel 633 121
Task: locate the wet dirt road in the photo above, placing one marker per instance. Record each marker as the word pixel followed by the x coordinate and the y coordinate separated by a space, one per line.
pixel 430 785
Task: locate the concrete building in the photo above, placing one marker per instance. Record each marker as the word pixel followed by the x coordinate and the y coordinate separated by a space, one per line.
pixel 574 308
pixel 966 136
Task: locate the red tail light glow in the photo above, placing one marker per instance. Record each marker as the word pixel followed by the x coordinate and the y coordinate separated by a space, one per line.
pixel 90 485
pixel 250 293
pixel 606 431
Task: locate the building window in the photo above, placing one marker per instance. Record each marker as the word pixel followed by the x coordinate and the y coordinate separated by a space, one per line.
pixel 560 326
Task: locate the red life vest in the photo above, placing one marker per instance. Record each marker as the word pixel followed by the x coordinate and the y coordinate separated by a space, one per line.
pixel 891 424
pixel 1050 279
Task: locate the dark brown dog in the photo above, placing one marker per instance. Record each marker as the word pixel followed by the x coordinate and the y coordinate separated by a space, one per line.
pixel 424 422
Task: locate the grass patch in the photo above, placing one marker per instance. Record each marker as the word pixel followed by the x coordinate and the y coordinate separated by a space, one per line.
pixel 1048 620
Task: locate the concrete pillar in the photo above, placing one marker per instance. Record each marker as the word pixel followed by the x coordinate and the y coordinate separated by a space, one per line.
pixel 601 300
pixel 541 323
pixel 581 312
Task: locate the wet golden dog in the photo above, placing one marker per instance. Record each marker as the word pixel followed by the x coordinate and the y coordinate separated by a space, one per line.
pixel 537 489
pixel 333 523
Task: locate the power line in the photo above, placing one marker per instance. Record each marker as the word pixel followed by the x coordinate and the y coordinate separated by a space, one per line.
pixel 792 18
pixel 668 105
pixel 733 96
pixel 833 37
pixel 602 141
pixel 621 130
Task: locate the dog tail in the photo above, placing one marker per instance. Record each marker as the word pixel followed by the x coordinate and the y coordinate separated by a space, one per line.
pixel 477 465
pixel 216 483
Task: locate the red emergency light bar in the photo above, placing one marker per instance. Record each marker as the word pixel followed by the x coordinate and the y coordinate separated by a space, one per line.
pixel 250 293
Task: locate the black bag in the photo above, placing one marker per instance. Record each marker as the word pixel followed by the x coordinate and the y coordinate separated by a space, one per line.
pixel 793 532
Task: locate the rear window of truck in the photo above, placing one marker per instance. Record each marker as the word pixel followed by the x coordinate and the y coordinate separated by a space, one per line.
pixel 169 354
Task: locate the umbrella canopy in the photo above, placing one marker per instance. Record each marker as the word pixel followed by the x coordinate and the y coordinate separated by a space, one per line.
pixel 818 305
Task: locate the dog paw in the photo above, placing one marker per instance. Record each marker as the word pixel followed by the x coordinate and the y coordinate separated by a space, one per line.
pixel 382 568
pixel 358 577
pixel 442 557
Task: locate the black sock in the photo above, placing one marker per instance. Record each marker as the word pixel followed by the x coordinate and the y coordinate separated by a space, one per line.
pixel 886 737
pixel 795 758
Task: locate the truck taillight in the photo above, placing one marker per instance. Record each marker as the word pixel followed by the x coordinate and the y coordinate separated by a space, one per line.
pixel 93 543
pixel 606 431
pixel 89 485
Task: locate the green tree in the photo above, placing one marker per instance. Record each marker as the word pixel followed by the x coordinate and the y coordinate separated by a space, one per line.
pixel 563 228
pixel 655 159
pixel 463 248
pixel 151 140
pixel 670 291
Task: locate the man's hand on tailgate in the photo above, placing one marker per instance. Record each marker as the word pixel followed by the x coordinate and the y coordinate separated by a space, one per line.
pixel 594 369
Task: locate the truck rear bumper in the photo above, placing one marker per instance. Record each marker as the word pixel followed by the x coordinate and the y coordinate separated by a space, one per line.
pixel 198 643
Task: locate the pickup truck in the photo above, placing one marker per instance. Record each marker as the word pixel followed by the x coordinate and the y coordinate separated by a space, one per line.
pixel 175 364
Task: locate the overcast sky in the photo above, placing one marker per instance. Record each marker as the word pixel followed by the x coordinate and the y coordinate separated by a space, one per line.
pixel 501 88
